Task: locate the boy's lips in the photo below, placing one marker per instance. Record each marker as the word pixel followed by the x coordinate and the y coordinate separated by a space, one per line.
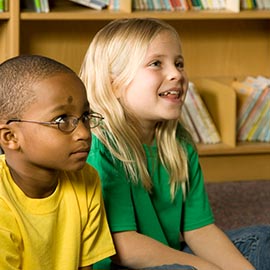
pixel 82 150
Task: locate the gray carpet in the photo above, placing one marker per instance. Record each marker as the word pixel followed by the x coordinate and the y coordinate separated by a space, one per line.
pixel 238 204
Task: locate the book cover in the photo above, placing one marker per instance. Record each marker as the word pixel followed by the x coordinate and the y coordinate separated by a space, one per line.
pixel 261 103
pixel 251 90
pixel 209 126
pixel 30 5
pixel 264 135
pixel 195 118
pixel 233 5
pixel 261 121
pixel 95 4
pixel 44 4
pixel 2 6
pixel 189 125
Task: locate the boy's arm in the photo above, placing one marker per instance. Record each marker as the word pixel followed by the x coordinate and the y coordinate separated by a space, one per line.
pixel 220 249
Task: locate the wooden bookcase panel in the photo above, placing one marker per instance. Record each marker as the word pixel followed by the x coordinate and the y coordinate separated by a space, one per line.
pixel 216 44
pixel 238 167
pixel 64 41
pixel 220 101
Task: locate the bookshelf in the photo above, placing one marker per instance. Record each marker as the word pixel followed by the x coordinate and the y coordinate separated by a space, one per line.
pixel 218 47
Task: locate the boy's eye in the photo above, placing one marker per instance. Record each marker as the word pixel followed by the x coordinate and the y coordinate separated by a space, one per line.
pixel 86 116
pixel 61 119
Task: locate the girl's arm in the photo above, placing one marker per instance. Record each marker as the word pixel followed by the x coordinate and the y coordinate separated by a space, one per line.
pixel 135 251
pixel 86 268
pixel 213 245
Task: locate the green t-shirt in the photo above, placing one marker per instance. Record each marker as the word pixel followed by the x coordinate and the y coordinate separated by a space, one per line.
pixel 130 207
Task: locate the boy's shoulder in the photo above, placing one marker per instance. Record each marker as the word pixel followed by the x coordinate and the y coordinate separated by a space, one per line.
pixel 87 174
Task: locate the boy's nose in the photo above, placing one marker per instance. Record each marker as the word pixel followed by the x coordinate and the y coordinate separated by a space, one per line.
pixel 83 131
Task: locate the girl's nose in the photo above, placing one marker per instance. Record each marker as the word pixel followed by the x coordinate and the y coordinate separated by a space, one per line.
pixel 174 73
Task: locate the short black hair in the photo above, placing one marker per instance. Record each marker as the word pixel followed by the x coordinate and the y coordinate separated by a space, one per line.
pixel 17 76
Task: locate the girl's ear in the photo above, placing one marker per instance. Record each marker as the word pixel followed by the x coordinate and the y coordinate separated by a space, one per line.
pixel 8 137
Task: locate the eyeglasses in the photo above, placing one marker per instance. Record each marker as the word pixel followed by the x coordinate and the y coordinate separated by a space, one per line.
pixel 68 123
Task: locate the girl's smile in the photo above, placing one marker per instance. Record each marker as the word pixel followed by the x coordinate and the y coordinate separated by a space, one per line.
pixel 158 89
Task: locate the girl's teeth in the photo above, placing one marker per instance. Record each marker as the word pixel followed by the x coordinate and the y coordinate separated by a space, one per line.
pixel 168 93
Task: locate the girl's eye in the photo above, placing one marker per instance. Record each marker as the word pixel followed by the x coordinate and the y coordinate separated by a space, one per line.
pixel 155 64
pixel 179 64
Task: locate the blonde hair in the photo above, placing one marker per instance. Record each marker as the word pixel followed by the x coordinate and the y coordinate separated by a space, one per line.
pixel 110 64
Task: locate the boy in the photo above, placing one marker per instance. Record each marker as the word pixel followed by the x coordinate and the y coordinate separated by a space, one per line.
pixel 51 210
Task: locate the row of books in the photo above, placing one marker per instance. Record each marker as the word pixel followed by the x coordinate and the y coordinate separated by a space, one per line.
pixel 35 5
pixel 169 5
pixel 97 4
pixel 257 4
pixel 3 5
pixel 253 117
pixel 178 4
pixel 234 5
pixel 197 118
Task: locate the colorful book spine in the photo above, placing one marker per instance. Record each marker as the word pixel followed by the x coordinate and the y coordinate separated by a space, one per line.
pixel 261 105
pixel 201 117
pixel 37 6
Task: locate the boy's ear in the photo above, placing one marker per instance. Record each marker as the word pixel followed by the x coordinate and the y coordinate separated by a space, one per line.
pixel 8 137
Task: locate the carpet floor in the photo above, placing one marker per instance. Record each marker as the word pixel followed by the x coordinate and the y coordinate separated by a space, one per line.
pixel 240 203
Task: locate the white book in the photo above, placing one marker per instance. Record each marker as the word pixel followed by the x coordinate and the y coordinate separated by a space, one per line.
pixel 266 4
pixel 233 5
pixel 260 4
pixel 204 4
pixel 44 4
pixel 95 4
pixel 189 125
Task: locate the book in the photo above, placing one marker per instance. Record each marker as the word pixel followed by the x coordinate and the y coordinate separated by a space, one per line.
pixel 6 5
pixel 254 104
pixel 233 5
pixel 95 4
pixel 259 109
pixel 30 5
pixel 247 92
pixel 189 125
pixel 37 5
pixel 201 117
pixel 44 5
pixel 259 123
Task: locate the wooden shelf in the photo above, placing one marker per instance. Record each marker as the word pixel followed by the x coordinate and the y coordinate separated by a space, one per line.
pixel 4 15
pixel 218 46
pixel 239 149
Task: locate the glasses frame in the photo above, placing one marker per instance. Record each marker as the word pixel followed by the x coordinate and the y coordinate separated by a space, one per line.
pixel 73 119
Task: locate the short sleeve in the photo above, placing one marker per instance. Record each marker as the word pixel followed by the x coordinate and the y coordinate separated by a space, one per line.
pixel 116 188
pixel 96 238
pixel 10 239
pixel 197 210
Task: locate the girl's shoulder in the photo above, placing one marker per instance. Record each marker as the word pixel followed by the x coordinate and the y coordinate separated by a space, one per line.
pixel 97 145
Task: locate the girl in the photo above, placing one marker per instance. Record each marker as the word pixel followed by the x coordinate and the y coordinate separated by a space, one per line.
pixel 153 186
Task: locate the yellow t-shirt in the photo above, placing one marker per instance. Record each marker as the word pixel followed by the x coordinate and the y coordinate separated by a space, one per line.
pixel 66 230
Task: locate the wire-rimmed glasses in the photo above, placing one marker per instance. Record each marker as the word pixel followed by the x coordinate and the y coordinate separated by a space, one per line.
pixel 68 123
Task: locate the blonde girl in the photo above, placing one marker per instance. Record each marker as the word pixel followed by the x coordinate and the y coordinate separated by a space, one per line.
pixel 153 186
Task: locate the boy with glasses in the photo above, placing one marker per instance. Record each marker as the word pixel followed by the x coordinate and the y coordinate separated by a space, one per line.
pixel 51 209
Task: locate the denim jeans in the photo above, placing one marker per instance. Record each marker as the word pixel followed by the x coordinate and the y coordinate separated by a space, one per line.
pixel 253 242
